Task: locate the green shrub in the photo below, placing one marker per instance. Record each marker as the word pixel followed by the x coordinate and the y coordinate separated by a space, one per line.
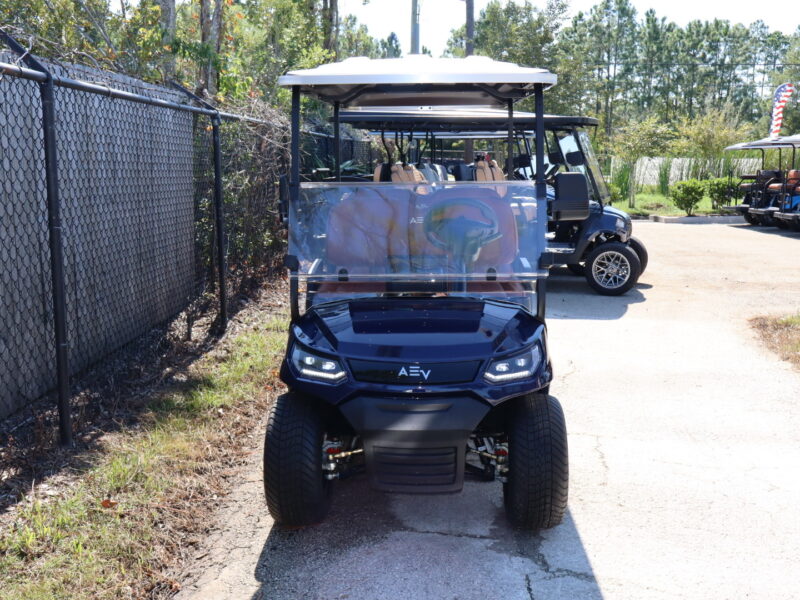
pixel 687 195
pixel 717 190
pixel 622 179
pixel 616 194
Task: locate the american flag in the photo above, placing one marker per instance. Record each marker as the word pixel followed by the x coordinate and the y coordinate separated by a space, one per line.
pixel 782 95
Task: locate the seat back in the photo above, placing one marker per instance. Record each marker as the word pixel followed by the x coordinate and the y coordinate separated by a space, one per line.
pixel 366 229
pixel 428 172
pixel 765 175
pixel 463 172
pixel 487 170
pixel 789 185
pixel 397 173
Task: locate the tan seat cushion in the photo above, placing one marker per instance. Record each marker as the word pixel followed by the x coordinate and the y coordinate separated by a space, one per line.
pixel 488 171
pixel 406 174
pixel 792 181
pixel 400 174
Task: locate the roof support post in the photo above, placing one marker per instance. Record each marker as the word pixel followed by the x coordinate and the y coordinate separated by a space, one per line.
pixel 510 140
pixel 294 198
pixel 541 188
pixel 337 142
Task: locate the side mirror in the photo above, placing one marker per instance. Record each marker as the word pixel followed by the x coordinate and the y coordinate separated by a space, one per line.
pixel 283 197
pixel 572 197
pixel 575 159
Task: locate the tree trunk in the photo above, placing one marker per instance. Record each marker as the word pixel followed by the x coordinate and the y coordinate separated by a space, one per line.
pixel 167 22
pixel 330 25
pixel 205 35
pixel 215 41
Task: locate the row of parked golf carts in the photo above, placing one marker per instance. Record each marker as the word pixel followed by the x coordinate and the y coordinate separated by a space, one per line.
pixel 770 196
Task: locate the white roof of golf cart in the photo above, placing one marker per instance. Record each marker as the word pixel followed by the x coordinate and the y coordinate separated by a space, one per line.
pixel 768 143
pixel 419 80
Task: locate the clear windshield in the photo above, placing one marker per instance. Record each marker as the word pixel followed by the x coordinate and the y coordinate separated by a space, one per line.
pixel 464 238
pixel 594 165
pixel 568 142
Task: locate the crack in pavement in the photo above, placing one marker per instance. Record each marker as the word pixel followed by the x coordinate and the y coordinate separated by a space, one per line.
pixel 471 536
pixel 603 460
pixel 540 560
pixel 529 586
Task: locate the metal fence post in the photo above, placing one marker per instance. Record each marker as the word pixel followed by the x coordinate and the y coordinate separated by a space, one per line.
pixel 219 213
pixel 56 243
pixel 219 225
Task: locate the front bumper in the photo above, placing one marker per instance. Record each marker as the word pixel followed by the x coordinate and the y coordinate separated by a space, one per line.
pixel 789 217
pixel 769 211
pixel 415 445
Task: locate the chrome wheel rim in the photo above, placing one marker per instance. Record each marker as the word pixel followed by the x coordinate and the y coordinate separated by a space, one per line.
pixel 611 270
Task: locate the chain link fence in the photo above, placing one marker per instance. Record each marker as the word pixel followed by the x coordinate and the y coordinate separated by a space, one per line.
pixel 359 155
pixel 135 181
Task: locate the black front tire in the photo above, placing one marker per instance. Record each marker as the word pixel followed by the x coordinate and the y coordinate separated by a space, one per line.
pixel 612 268
pixel 298 494
pixel 641 252
pixel 538 477
pixel 751 219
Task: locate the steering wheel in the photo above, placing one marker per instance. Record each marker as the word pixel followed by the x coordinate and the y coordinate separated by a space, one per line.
pixel 461 236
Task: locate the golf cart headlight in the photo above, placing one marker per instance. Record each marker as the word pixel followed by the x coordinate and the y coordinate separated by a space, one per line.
pixel 516 367
pixel 317 367
pixel 621 224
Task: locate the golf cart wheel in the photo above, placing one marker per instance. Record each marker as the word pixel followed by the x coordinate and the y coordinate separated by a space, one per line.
pixel 297 491
pixel 538 476
pixel 781 224
pixel 612 268
pixel 577 268
pixel 751 219
pixel 641 252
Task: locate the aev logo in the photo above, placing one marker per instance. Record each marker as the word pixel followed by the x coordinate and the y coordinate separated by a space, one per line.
pixel 414 371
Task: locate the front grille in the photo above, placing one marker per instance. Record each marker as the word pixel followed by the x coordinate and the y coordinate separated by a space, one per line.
pixel 411 468
pixel 374 371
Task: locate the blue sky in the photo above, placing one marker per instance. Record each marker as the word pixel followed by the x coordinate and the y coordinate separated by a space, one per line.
pixel 438 17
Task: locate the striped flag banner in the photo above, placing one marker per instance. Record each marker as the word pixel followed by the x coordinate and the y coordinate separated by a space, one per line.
pixel 781 98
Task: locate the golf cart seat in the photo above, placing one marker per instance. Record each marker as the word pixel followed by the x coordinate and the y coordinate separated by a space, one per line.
pixel 463 172
pixel 432 172
pixel 763 177
pixel 487 170
pixel 398 173
pixel 381 232
pixel 790 186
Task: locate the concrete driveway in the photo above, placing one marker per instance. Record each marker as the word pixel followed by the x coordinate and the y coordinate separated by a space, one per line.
pixel 684 440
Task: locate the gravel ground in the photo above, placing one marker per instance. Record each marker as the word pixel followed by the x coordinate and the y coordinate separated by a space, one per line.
pixel 684 456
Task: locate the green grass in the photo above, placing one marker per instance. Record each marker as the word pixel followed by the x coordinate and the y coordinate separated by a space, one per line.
pixel 790 321
pixel 781 335
pixel 72 546
pixel 655 204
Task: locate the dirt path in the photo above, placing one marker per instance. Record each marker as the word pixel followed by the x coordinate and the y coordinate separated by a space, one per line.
pixel 684 452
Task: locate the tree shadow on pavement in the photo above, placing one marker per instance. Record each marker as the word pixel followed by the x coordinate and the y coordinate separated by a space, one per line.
pixel 570 297
pixel 376 545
